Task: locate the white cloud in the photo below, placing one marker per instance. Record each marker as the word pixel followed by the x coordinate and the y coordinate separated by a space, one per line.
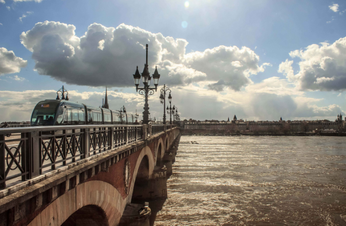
pixel 268 100
pixel 274 85
pixel 2 1
pixel 38 1
pixel 24 15
pixel 8 8
pixel 109 56
pixel 17 78
pixel 322 67
pixel 334 7
pixel 192 102
pixel 9 63
pixel 1 24
pixel 287 70
pixel 228 66
pixel 329 21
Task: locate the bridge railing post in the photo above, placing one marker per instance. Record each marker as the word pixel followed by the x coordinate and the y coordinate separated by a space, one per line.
pixel 26 153
pixel 2 162
pixel 34 149
pixel 150 129
pixel 127 134
pixel 145 132
pixel 110 137
pixel 85 142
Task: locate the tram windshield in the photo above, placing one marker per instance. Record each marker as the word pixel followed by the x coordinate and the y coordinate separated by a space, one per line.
pixel 44 113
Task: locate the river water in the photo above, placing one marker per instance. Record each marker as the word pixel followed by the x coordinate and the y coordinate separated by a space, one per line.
pixel 265 180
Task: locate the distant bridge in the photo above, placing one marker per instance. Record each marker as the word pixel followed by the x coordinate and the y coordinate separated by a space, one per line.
pixel 83 174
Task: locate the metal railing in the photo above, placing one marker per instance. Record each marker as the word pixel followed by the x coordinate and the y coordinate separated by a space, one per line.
pixel 158 128
pixel 32 151
pixel 28 152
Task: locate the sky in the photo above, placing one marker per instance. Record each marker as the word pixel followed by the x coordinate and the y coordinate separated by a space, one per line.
pixel 256 59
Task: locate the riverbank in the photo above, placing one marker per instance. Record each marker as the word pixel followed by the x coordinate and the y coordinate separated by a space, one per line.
pixel 261 133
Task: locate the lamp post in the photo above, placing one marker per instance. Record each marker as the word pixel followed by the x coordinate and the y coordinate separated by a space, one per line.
pixel 163 100
pixel 170 111
pixel 123 113
pixel 146 90
pixel 62 91
pixel 176 115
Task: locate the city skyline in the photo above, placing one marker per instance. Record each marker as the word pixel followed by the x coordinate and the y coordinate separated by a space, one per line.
pixel 259 60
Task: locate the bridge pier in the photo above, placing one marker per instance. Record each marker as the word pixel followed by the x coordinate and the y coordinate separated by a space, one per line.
pixel 154 188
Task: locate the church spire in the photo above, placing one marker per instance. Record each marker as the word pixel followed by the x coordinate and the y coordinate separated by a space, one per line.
pixel 105 105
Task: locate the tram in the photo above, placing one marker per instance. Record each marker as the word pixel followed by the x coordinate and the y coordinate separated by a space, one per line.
pixel 62 112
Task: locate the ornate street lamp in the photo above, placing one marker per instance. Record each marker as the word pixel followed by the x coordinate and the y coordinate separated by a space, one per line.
pixel 170 111
pixel 62 91
pixel 176 115
pixel 163 100
pixel 146 90
pixel 123 113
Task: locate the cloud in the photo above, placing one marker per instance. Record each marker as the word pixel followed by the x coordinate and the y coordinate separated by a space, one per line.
pixel 38 1
pixel 228 66
pixel 24 15
pixel 287 70
pixel 109 56
pixel 334 7
pixel 9 63
pixel 322 67
pixel 17 78
pixel 2 1
pixel 191 101
pixel 274 85
pixel 272 106
pixel 1 24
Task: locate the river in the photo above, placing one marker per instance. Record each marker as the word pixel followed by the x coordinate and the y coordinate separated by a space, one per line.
pixel 263 180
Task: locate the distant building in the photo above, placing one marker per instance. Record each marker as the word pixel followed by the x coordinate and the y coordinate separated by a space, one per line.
pixel 105 104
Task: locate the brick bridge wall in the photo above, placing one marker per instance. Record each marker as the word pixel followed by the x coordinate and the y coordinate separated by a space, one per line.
pixel 99 182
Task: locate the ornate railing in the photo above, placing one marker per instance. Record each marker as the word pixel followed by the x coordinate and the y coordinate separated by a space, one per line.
pixel 32 151
pixel 158 128
pixel 28 152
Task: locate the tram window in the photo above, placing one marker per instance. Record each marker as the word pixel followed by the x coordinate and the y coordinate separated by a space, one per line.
pixel 107 117
pixel 90 117
pixel 97 117
pixel 60 115
pixel 75 116
pixel 81 115
pixel 68 116
pixel 116 118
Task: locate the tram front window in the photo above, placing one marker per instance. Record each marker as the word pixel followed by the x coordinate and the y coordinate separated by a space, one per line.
pixel 44 114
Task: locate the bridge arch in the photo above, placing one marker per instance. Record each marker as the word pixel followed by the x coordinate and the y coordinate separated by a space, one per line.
pixel 166 143
pixel 146 162
pixel 160 152
pixel 90 215
pixel 171 138
pixel 98 194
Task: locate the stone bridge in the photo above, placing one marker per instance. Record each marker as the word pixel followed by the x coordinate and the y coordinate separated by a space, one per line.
pixel 82 175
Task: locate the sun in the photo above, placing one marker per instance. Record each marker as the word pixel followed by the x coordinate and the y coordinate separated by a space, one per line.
pixel 187 4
